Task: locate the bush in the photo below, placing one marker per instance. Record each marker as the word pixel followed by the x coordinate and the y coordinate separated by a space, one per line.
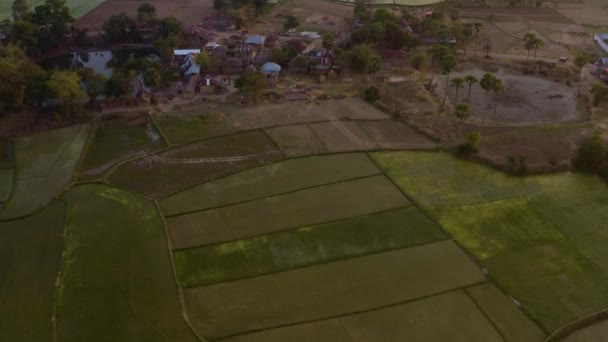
pixel 470 146
pixel 371 94
pixel 592 156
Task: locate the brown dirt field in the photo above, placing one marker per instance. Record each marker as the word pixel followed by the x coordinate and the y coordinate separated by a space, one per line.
pixel 189 12
pixel 195 163
pixel 341 136
pixel 318 15
pixel 296 140
pixel 417 102
pixel 586 12
pixel 394 135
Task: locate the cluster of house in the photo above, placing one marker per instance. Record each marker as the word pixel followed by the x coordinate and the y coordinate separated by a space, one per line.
pixel 601 68
pixel 240 53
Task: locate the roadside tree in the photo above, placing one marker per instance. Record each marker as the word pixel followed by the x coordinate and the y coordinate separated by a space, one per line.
pixel 470 80
pixel 457 83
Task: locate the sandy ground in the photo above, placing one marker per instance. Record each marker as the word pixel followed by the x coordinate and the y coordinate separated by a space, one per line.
pixel 526 99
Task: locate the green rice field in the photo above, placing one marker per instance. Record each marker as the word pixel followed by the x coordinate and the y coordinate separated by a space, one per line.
pixel 77 7
pixel 112 233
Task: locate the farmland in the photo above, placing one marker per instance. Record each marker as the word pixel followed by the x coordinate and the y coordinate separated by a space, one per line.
pixel 244 235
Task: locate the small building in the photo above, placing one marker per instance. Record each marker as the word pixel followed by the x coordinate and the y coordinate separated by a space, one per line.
pixel 256 40
pixel 271 70
pixel 601 68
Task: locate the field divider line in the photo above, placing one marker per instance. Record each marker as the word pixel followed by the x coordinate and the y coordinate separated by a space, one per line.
pixel 180 294
pixel 328 261
pixel 60 272
pixel 160 130
pixel 484 314
pixel 85 151
pixel 273 195
pixel 351 313
pixel 297 227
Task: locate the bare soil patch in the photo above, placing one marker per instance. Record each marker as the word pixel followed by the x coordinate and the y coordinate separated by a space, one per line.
pixel 296 140
pixel 340 136
pixel 189 12
pixel 318 15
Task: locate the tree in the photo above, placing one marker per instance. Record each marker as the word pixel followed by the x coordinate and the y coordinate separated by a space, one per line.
pixel 371 94
pixel 291 22
pixel 53 19
pixel 592 155
pixel 204 61
pixel 328 40
pixel 219 5
pixel 531 41
pixel 462 112
pixel 168 27
pixel 249 85
pixel 395 36
pixel 467 34
pixel 120 28
pixel 21 81
pixel 497 87
pixel 437 52
pixel 152 79
pixel 119 85
pixel 93 83
pixel 473 140
pixel 477 27
pixel 457 83
pixel 580 61
pixel 448 63
pixel 26 34
pixel 65 86
pixel 470 80
pixel 363 58
pixel 21 10
pixel 419 61
pixel 600 94
pixel 146 14
pixel 487 84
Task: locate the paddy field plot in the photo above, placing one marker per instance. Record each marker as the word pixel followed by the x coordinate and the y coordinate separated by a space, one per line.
pixel 364 235
pixel 117 140
pixel 504 314
pixel 296 209
pixel 117 283
pixel 296 140
pixel 194 124
pixel 513 226
pixel 30 258
pixel 394 135
pixel 271 179
pixel 6 183
pixel 340 136
pixel 447 317
pixel 191 164
pixel 307 294
pixel 45 165
pixel 596 332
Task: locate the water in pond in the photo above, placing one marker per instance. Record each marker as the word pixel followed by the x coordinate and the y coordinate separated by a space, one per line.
pixel 102 62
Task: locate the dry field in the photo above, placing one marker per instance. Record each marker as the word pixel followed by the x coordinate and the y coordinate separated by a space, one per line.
pixel 318 15
pixel 189 12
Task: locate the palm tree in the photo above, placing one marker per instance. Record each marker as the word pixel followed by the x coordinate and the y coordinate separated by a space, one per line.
pixel 487 84
pixel 457 83
pixel 448 63
pixel 467 33
pixel 531 41
pixel 478 27
pixel 470 80
pixel 580 60
pixel 497 87
pixel 437 52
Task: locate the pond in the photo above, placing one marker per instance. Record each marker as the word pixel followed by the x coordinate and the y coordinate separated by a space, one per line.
pixel 102 62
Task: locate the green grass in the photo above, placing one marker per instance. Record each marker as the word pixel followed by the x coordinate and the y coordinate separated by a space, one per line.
pixel 328 290
pixel 542 238
pixel 505 315
pixel 490 229
pixel 30 257
pixel 118 140
pixel 189 127
pixel 270 180
pixel 117 283
pixel 288 211
pixel 6 183
pixel 553 281
pixel 305 246
pixel 7 158
pixel 189 165
pixel 437 179
pixel 446 317
pixel 45 166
